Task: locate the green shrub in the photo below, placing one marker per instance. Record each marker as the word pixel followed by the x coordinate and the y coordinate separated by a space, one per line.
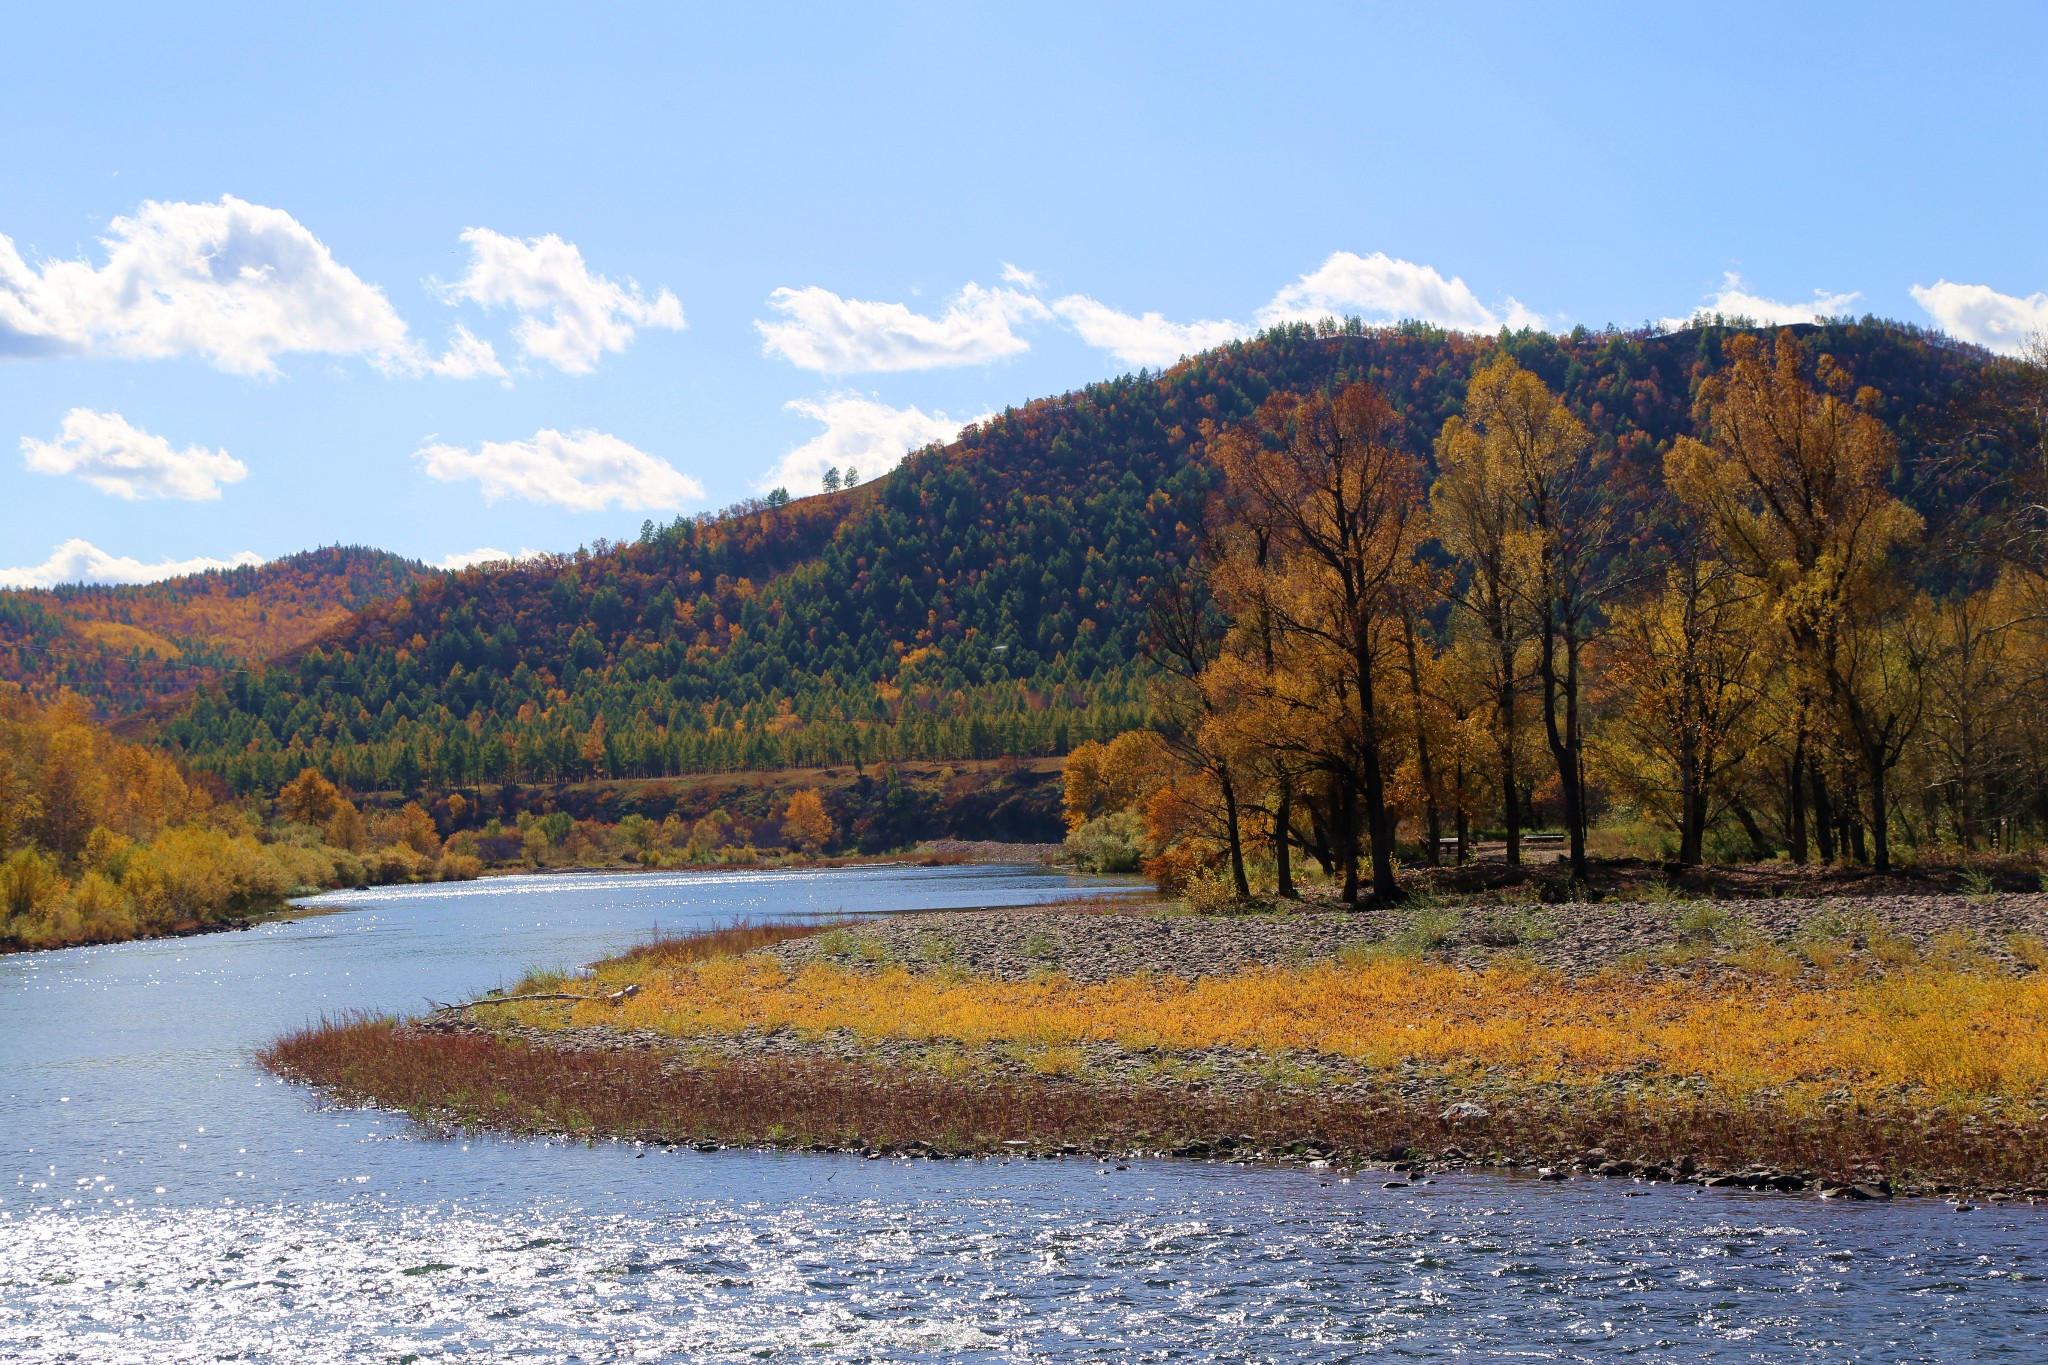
pixel 1109 843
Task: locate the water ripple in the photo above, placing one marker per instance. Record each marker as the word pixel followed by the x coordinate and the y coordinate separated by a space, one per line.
pixel 168 1202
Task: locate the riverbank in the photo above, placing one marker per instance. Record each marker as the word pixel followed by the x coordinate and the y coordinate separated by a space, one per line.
pixel 1892 1046
pixel 930 853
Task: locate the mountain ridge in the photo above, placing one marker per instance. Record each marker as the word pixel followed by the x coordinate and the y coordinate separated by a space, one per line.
pixel 985 597
pixel 125 646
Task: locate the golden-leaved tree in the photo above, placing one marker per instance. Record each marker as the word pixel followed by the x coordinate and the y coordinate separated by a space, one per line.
pixel 1184 638
pixel 1476 515
pixel 1325 480
pixel 806 823
pixel 1536 512
pixel 1791 478
pixel 1684 678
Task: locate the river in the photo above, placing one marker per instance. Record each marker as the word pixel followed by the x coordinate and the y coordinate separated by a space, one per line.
pixel 165 1200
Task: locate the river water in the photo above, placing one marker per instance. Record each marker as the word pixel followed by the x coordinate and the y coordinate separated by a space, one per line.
pixel 164 1200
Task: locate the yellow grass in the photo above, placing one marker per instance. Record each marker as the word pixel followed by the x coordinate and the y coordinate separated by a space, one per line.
pixel 1942 1032
pixel 123 637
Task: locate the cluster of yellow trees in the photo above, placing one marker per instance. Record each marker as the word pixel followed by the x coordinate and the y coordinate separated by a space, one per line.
pixel 806 828
pixel 103 840
pixel 389 846
pixel 556 839
pixel 1762 648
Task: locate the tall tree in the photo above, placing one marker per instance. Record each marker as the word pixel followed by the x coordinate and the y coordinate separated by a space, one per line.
pixel 1568 515
pixel 1477 517
pixel 1684 674
pixel 1241 551
pixel 1183 639
pixel 1325 475
pixel 1792 479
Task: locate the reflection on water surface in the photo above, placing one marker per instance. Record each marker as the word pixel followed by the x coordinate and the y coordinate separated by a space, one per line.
pixel 167 1201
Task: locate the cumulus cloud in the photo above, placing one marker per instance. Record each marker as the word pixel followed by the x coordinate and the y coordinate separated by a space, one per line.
pixel 80 561
pixel 1146 340
pixel 583 470
pixel 468 356
pixel 234 283
pixel 1979 313
pixel 1381 288
pixel 859 433
pixel 112 455
pixel 483 554
pixel 1736 300
pixel 1022 278
pixel 821 331
pixel 569 317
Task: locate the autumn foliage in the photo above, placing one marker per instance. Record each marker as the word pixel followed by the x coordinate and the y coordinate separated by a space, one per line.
pixel 124 646
pixel 103 840
pixel 1756 642
pixel 986 598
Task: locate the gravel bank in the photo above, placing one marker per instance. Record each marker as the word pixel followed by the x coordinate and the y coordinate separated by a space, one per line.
pixel 1684 938
pixel 1301 1105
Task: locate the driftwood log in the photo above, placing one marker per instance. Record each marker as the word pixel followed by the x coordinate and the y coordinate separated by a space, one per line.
pixel 617 997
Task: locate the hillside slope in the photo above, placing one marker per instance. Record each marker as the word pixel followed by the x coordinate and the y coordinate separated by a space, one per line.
pixel 982 599
pixel 125 646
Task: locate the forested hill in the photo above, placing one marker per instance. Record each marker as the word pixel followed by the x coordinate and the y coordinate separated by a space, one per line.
pixel 123 646
pixel 984 598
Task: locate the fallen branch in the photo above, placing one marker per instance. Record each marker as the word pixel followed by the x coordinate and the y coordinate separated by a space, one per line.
pixel 620 996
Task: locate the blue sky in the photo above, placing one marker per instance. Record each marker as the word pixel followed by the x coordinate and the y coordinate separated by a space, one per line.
pixel 439 278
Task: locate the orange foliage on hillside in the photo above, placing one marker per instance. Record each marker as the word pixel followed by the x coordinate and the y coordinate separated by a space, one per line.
pixel 123 646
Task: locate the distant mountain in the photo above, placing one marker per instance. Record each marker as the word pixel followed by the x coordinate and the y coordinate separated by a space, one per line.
pixel 125 646
pixel 984 598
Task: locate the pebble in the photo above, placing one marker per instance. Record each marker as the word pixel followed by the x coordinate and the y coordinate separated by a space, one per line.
pixel 1575 938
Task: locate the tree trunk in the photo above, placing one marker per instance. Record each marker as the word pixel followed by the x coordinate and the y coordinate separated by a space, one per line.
pixel 1795 803
pixel 1379 822
pixel 1759 845
pixel 1504 707
pixel 1323 846
pixel 1546 672
pixel 1432 817
pixel 1690 825
pixel 1347 840
pixel 1823 811
pixel 1283 856
pixel 1851 807
pixel 1230 826
pixel 1575 761
pixel 1880 815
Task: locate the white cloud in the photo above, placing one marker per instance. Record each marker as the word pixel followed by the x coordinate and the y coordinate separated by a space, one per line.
pixel 1735 300
pixel 1979 313
pixel 235 283
pixel 583 470
pixel 822 331
pixel 1147 340
pixel 115 457
pixel 1023 279
pixel 1383 289
pixel 859 432
pixel 483 554
pixel 569 317
pixel 80 561
pixel 468 356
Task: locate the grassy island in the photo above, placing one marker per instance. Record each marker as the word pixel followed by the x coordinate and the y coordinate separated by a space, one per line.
pixel 1858 1048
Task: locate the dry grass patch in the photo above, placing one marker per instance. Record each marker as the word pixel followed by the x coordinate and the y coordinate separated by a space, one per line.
pixel 1946 1028
pixel 477 1081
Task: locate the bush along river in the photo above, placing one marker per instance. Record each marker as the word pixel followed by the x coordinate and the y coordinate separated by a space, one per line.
pixel 171 1200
